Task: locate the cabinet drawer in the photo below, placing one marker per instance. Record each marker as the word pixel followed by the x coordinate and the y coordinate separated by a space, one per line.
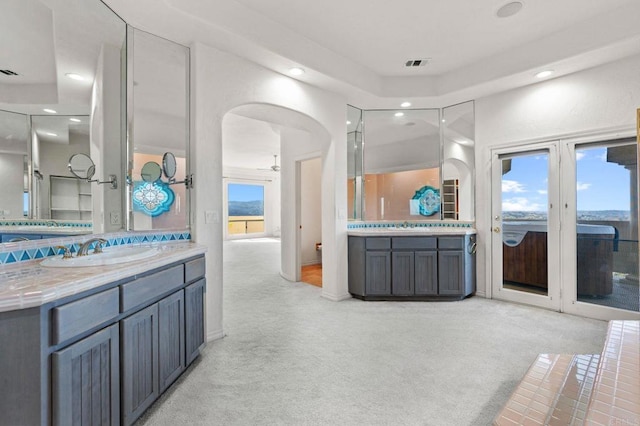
pixel 378 243
pixel 415 243
pixel 147 288
pixel 194 269
pixel 77 317
pixel 450 243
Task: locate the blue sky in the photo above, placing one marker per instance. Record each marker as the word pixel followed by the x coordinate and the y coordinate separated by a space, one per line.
pixel 242 192
pixel 600 185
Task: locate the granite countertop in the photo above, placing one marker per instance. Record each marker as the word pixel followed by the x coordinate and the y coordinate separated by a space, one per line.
pixel 29 284
pixel 410 232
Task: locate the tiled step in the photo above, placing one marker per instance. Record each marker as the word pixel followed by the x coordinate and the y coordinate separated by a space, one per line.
pixel 616 392
pixel 555 391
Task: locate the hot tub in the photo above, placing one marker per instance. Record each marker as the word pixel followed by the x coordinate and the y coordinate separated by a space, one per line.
pixel 524 251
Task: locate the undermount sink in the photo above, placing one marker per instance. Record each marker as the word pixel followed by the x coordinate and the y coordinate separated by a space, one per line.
pixel 110 256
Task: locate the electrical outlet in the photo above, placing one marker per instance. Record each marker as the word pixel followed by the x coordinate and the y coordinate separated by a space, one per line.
pixel 114 217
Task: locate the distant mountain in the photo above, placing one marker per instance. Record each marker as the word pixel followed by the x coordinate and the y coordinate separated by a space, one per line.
pixel 595 215
pixel 246 208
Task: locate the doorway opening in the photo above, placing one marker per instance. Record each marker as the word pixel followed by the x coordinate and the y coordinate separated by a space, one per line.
pixel 311 221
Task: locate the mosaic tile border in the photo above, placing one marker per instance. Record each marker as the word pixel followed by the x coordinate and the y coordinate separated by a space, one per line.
pixel 27 222
pixel 40 249
pixel 369 225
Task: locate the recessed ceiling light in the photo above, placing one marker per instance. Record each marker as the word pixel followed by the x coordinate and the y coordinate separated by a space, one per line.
pixel 462 141
pixel 348 122
pixel 444 120
pixel 543 74
pixel 405 104
pixel 75 120
pixel 399 114
pixel 50 111
pixel 50 134
pixel 74 76
pixel 509 9
pixel 296 71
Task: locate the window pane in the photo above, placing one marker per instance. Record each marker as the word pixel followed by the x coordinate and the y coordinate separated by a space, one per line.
pixel 607 228
pixel 246 209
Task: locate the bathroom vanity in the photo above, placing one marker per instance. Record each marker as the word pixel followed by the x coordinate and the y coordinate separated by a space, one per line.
pixel 98 345
pixel 406 264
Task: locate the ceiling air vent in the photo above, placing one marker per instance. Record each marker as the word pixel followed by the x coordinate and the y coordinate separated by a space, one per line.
pixel 411 63
pixel 8 72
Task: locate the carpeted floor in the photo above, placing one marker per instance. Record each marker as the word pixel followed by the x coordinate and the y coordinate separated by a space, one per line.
pixel 291 357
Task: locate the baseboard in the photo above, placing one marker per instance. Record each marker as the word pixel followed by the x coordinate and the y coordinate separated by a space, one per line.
pixel 215 335
pixel 336 298
pixel 481 294
pixel 287 277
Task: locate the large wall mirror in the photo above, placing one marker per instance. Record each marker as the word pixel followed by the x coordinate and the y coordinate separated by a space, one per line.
pixel 413 164
pixel 458 162
pixel 61 87
pixel 401 164
pixel 158 108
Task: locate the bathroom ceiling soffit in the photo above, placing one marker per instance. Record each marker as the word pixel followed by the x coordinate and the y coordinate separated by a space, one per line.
pixel 359 49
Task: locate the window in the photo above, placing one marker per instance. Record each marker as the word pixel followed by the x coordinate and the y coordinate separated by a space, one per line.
pixel 246 209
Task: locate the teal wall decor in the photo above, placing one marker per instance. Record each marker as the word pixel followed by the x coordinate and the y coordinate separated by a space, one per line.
pixel 152 198
pixel 428 200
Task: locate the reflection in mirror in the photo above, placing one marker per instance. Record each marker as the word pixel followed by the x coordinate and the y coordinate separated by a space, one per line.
pixel 169 165
pixel 151 172
pixel 65 57
pixel 402 164
pixel 354 163
pixel 14 165
pixel 458 165
pixel 57 194
pixel 81 166
pixel 158 75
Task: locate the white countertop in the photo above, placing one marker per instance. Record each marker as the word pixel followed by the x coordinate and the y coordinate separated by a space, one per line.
pixel 29 284
pixel 410 232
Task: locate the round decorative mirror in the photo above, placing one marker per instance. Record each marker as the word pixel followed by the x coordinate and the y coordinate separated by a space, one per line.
pixel 151 172
pixel 81 166
pixel 169 165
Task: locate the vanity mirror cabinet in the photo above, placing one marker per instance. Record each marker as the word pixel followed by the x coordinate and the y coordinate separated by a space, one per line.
pixel 102 356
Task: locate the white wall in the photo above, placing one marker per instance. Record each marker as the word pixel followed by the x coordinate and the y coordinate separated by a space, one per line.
pixel 11 189
pixel 106 150
pixel 311 210
pixel 221 82
pixel 600 99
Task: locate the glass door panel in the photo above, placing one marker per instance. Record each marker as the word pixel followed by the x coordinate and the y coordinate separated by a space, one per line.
pixel 606 229
pixel 524 250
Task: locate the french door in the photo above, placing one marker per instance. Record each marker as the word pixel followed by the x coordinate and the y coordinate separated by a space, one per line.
pixel 525 224
pixel 564 227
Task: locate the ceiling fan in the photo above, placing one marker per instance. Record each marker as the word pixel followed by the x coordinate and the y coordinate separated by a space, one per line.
pixel 275 167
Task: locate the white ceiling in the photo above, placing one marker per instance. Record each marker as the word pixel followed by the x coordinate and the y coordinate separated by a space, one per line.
pixel 358 47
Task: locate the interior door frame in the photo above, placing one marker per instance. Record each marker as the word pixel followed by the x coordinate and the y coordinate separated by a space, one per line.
pixel 552 300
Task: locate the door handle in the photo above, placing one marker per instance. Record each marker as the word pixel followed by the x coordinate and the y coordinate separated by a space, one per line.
pixel 496 229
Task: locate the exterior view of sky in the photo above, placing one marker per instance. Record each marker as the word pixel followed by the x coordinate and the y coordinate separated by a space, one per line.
pixel 243 192
pixel 600 185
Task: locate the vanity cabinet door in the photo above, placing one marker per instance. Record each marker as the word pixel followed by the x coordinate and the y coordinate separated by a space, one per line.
pixel 194 319
pixel 140 383
pixel 85 381
pixel 451 272
pixel 378 273
pixel 171 338
pixel 402 276
pixel 426 273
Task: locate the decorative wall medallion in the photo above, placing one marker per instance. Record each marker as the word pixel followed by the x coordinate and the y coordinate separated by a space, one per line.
pixel 428 199
pixel 152 198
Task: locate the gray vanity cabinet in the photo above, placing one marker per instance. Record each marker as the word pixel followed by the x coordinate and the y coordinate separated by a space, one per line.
pixel 140 381
pixel 85 381
pixel 171 318
pixel 426 273
pixel 194 319
pixel 411 267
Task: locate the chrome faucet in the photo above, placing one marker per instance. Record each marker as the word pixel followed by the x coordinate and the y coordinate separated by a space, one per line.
pixel 84 248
